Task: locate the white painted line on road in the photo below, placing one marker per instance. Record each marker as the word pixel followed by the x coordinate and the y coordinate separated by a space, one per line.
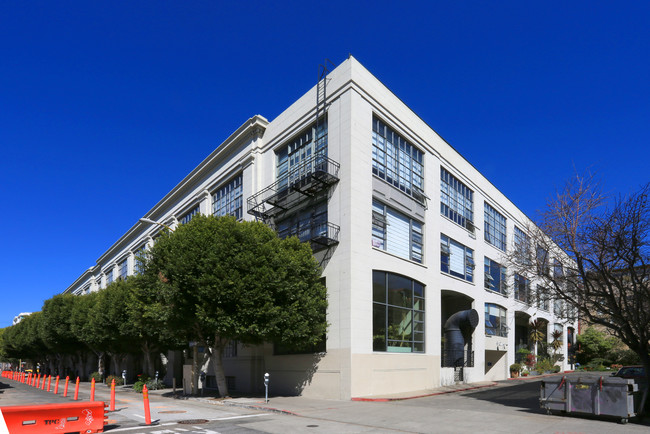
pixel 241 417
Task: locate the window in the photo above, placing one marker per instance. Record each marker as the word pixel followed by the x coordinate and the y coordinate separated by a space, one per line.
pixel 124 269
pixel 543 267
pixel 495 320
pixel 188 216
pixel 495 227
pixel 558 308
pixel 140 257
pixel 495 277
pixel 306 225
pixel 456 259
pixel 522 246
pixel 456 200
pixel 302 156
pixel 543 298
pixel 228 199
pixel 109 277
pixel 397 161
pixel 398 313
pixel 559 328
pixel 396 233
pixel 230 350
pixel 522 289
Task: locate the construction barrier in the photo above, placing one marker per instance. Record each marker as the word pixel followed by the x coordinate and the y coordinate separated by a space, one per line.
pixel 83 417
pixel 147 411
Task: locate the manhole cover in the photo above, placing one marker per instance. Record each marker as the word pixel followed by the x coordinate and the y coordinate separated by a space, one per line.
pixel 193 421
pixel 172 411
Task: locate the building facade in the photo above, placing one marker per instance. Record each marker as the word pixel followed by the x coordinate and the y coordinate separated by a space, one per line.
pixel 411 238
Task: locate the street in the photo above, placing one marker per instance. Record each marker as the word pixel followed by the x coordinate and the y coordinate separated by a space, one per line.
pixel 506 407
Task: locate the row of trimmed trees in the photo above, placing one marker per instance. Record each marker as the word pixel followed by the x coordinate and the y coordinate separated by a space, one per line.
pixel 211 281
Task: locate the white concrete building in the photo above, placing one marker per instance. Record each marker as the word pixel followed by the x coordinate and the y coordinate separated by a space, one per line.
pixel 408 233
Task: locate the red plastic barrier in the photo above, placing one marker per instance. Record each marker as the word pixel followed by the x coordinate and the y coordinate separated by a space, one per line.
pixel 83 417
pixel 147 411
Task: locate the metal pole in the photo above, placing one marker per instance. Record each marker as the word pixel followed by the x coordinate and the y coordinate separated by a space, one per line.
pixel 266 387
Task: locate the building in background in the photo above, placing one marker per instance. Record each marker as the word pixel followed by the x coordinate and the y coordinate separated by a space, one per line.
pixel 411 238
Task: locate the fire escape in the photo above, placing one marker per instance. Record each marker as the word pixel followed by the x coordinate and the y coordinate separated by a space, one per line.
pixel 303 185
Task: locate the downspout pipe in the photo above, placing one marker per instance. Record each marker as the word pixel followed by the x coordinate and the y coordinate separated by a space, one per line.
pixel 454 340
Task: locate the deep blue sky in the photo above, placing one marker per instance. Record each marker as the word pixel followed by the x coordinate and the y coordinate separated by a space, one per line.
pixel 106 105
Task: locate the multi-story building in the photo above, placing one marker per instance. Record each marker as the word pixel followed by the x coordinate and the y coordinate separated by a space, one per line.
pixel 411 238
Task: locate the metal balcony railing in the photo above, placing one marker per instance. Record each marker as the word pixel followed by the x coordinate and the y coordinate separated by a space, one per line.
pixel 320 234
pixel 304 181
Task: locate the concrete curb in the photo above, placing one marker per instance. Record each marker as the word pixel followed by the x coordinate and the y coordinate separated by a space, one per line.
pixel 442 392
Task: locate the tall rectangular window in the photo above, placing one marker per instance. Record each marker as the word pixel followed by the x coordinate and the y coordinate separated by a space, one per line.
pixel 522 289
pixel 495 320
pixel 543 266
pixel 456 259
pixel 558 308
pixel 302 156
pixel 124 269
pixel 456 200
pixel 397 161
pixel 543 298
pixel 228 199
pixel 396 233
pixel 522 246
pixel 495 276
pixel 398 313
pixel 138 266
pixel 495 227
pixel 189 215
pixel 109 277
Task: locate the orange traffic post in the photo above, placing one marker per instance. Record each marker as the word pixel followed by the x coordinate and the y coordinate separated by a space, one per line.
pixel 49 382
pixel 92 390
pixel 65 390
pixel 112 405
pixel 76 390
pixel 38 381
pixel 56 386
pixel 43 385
pixel 147 411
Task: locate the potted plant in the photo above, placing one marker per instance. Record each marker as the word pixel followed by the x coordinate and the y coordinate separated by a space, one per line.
pixel 529 361
pixel 515 368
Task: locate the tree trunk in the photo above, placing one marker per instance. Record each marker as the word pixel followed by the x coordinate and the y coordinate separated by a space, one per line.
pixel 217 364
pixel 100 363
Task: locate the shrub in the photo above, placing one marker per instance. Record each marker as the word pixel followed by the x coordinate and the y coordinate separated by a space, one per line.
pixel 515 367
pixel 97 376
pixel 529 361
pixel 543 365
pixel 556 369
pixel 155 385
pixel 138 385
pixel 119 381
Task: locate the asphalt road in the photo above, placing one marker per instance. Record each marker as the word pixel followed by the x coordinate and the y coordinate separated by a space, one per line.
pixel 507 407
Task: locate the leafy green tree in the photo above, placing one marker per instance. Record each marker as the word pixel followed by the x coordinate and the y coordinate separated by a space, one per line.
pixel 55 329
pixel 146 320
pixel 225 280
pixel 594 344
pixel 23 340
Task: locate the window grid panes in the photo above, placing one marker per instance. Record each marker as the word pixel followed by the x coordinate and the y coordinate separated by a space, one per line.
pixel 397 161
pixel 495 276
pixel 495 320
pixel 109 277
pixel 398 313
pixel 456 259
pixel 522 289
pixel 396 233
pixel 228 199
pixel 456 200
pixel 187 217
pixel 124 269
pixel 139 258
pixel 307 225
pixel 522 246
pixel 495 227
pixel 300 158
pixel 543 298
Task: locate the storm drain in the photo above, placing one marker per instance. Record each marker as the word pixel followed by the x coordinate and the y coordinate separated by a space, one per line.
pixel 193 421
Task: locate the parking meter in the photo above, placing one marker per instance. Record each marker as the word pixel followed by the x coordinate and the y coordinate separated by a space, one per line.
pixel 124 376
pixel 156 375
pixel 266 386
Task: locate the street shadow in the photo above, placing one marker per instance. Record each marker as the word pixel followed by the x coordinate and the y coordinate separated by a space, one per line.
pixel 525 397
